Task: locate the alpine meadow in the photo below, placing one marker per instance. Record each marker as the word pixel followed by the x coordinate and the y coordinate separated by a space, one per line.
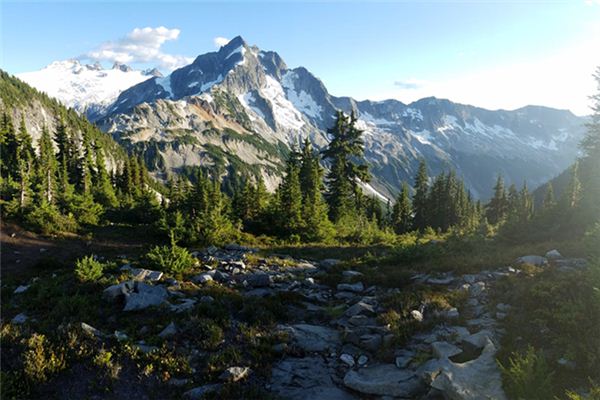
pixel 185 216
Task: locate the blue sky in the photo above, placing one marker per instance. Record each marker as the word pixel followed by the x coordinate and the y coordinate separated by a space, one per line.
pixel 492 54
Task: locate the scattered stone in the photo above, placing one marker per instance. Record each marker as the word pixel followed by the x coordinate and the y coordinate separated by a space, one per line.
pixel 538 261
pixel 114 292
pixel 309 281
pixel 145 296
pixel 477 289
pixel 311 337
pixel 91 330
pixel 21 289
pixel 185 305
pixel 329 263
pixel 141 274
pixel 440 281
pixel 450 313
pixel 170 330
pixel 362 360
pixel 383 380
pixel 403 358
pixel 202 278
pixel 351 274
pixel 120 336
pixel 207 299
pixel 235 374
pixel 360 308
pixel 444 350
pixel 256 280
pixel 553 255
pixel 144 348
pixel 178 382
pixel 198 393
pixel 348 360
pixel 417 315
pixel 19 319
pixel 354 287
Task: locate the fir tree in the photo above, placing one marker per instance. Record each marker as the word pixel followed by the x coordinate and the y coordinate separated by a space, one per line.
pixel 103 190
pixel 549 200
pixel 345 152
pixel 46 168
pixel 402 211
pixel 420 198
pixel 572 196
pixel 498 205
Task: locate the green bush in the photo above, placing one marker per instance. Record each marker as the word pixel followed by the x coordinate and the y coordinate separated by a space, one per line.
pixel 40 360
pixel 174 259
pixel 88 269
pixel 47 219
pixel 527 376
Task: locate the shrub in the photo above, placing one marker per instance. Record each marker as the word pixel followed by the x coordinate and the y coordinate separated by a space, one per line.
pixel 88 269
pixel 174 259
pixel 46 219
pixel 40 360
pixel 527 376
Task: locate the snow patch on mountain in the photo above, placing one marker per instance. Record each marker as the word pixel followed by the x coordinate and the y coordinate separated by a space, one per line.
pixel 302 101
pixel 412 113
pixel 166 84
pixel 81 86
pixel 246 100
pixel 286 115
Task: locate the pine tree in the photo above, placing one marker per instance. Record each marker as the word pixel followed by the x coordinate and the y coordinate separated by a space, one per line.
pixel 572 196
pixel 512 201
pixel 345 152
pixel 402 211
pixel 9 146
pixel 25 159
pixel 590 163
pixel 46 168
pixel 104 192
pixel 525 210
pixel 497 207
pixel 420 198
pixel 549 201
pixel 289 197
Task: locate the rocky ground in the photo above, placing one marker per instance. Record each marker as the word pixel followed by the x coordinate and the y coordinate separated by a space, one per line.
pixel 341 339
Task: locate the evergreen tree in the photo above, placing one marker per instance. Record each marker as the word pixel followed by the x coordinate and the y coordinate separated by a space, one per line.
pixel 572 196
pixel 345 152
pixel 420 198
pixel 525 210
pixel 46 168
pixel 9 146
pixel 402 211
pixel 513 201
pixel 289 198
pixel 104 192
pixel 590 163
pixel 498 205
pixel 549 201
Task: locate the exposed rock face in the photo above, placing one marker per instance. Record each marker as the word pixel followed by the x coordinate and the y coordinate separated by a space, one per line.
pixel 312 338
pixel 384 380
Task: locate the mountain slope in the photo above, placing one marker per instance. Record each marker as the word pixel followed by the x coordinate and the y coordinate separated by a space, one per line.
pixel 38 110
pixel 88 88
pixel 254 90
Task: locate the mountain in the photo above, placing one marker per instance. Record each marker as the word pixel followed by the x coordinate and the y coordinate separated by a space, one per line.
pixel 25 103
pixel 240 107
pixel 88 88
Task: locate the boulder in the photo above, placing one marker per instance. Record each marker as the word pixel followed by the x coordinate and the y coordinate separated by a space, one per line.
pixel 91 330
pixel 259 279
pixel 362 360
pixel 114 292
pixel 312 337
pixel 351 287
pixel 370 342
pixel 444 350
pixel 329 263
pixel 403 358
pixel 417 315
pixel 347 359
pixel 477 289
pixel 383 380
pixel 235 374
pixel 145 296
pixel 185 305
pixel 351 274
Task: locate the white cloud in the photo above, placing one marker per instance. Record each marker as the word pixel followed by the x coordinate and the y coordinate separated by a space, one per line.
pixel 563 79
pixel 220 41
pixel 410 84
pixel 142 45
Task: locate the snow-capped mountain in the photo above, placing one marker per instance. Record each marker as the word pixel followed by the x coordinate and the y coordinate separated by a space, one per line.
pixel 239 106
pixel 87 88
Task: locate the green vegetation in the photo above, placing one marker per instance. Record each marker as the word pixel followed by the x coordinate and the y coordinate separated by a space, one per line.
pixel 88 269
pixel 173 259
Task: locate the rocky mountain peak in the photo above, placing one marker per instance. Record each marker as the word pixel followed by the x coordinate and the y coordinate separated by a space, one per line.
pixel 122 67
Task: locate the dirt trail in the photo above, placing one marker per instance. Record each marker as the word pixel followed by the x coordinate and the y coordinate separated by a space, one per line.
pixel 20 250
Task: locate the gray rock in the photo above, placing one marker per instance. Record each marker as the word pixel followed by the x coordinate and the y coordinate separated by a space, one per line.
pixel 553 255
pixel 91 330
pixel 473 380
pixel 170 330
pixel 477 289
pixel 441 281
pixel 115 292
pixel 351 287
pixel 417 315
pixel 305 378
pixel 538 261
pixel 450 313
pixel 360 308
pixel 237 264
pixel 256 280
pixel 120 336
pixel 403 358
pixel 145 296
pixel 329 263
pixel 21 289
pixel 235 374
pixel 347 359
pixel 382 380
pixel 370 342
pixel 184 305
pixel 19 319
pixel 503 307
pixel 362 360
pixel 444 349
pixel 144 348
pixel 199 392
pixel 312 337
pixel 202 278
pixel 141 274
pixel 351 274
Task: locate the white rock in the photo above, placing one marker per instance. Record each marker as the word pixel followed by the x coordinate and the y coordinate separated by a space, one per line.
pixel 383 380
pixel 553 255
pixel 417 315
pixel 21 289
pixel 235 374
